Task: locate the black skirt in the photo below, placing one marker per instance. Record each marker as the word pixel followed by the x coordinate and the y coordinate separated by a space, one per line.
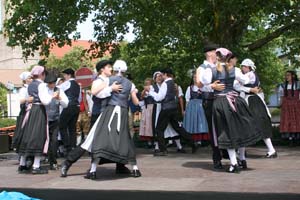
pixel 18 131
pixel 234 129
pixel 34 133
pixel 261 117
pixel 113 145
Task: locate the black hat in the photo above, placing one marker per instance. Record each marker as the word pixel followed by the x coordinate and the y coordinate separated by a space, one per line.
pixel 50 78
pixel 69 71
pixel 101 64
pixel 209 46
pixel 167 71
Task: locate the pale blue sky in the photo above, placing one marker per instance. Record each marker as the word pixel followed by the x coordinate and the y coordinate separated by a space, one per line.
pixel 86 29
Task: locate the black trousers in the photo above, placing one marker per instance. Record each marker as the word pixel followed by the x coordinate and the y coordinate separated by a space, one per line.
pixel 53 132
pixel 165 117
pixel 207 105
pixel 67 126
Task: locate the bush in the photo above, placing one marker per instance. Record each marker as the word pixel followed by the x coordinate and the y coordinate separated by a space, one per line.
pixel 4 122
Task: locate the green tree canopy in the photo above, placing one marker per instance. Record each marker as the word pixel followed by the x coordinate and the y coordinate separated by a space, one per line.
pixel 167 31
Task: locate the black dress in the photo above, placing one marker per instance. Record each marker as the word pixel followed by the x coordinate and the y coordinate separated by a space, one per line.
pixel 233 123
pixel 34 134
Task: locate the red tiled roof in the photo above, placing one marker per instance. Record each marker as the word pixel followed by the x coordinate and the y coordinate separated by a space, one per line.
pixel 61 51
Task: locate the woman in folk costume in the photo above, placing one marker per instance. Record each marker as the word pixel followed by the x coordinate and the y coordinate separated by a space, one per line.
pixel 111 139
pixel 146 124
pixel 290 107
pixel 255 99
pixel 24 99
pixel 233 124
pixel 194 120
pixel 35 138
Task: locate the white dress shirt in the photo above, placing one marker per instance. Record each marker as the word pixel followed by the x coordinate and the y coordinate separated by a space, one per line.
pixel 105 92
pixel 162 91
pixel 66 85
pixel 46 95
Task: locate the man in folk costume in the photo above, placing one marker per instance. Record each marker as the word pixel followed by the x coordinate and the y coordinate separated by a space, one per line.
pixel 204 82
pixel 255 100
pixel 52 110
pixel 169 112
pixel 35 138
pixel 69 115
pixel 110 136
pixel 101 92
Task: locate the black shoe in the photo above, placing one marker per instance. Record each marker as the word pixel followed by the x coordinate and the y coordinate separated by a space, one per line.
pixel 273 155
pixel 53 167
pixel 136 173
pixel 242 164
pixel 64 169
pixel 23 169
pixel 181 150
pixel 39 171
pixel 218 164
pixel 233 169
pixel 90 175
pixel 122 170
pixel 161 153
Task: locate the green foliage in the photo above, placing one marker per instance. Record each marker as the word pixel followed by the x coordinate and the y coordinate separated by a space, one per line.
pixel 167 32
pixel 75 59
pixel 276 112
pixel 4 122
pixel 3 100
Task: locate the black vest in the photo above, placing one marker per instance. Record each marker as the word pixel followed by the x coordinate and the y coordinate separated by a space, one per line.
pixel 73 93
pixel 99 104
pixel 33 91
pixel 195 94
pixel 225 77
pixel 121 98
pixel 52 109
pixel 169 102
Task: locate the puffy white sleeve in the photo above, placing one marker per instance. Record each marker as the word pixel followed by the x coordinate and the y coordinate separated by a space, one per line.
pixel 161 93
pixel 23 94
pixel 242 78
pixel 252 77
pixel 205 75
pixel 105 92
pixel 240 88
pixel 188 94
pixel 132 87
pixel 64 101
pixel 43 93
pixel 65 85
pixel 180 92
